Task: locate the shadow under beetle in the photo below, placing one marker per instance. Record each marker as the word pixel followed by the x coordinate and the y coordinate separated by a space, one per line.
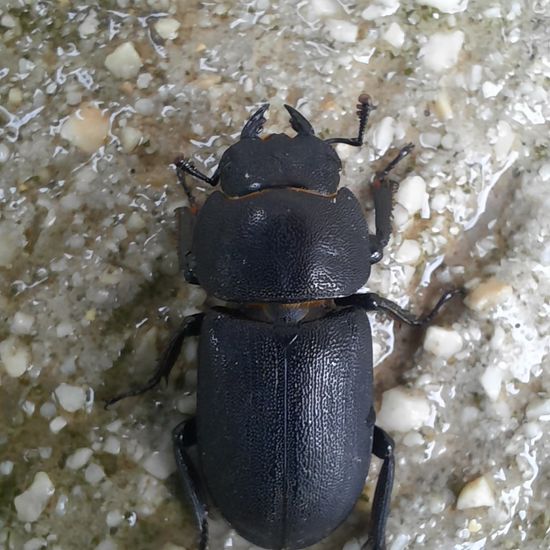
pixel 285 424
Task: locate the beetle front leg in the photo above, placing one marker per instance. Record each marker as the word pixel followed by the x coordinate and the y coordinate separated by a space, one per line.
pixel 382 448
pixel 373 302
pixel 185 436
pixel 364 109
pixel 383 191
pixel 191 326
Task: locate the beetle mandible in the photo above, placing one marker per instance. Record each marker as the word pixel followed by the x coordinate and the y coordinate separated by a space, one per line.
pixel 285 423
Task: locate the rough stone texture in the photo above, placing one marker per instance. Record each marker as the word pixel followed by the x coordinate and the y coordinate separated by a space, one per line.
pixel 87 246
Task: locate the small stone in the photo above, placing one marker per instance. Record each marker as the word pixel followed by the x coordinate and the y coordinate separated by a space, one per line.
pixel 408 253
pixel 28 407
pixel 491 90
pixel 48 410
pixel 130 138
pixel 443 108
pixel 342 31
pixel 135 222
pixel 394 36
pixel 441 51
pixel 124 62
pixel 143 80
pixel 475 494
pixel 71 398
pixel 442 342
pixel 167 28
pixel 94 473
pixel 8 21
pixel 445 6
pixel 159 464
pixel 382 135
pixel 35 544
pixel 86 128
pixel 402 410
pixel 112 445
pixel 6 467
pixel 15 356
pixel 57 424
pixel 107 544
pixel 412 194
pixel 488 294
pixel 114 518
pixel 22 323
pixel 64 329
pixel 79 458
pixel 539 409
pixel 323 8
pixel 15 97
pixel 31 503
pixel 474 526
pixel 11 243
pixel 491 381
pixel 4 153
pixel 505 140
pixel 380 8
pixel 89 26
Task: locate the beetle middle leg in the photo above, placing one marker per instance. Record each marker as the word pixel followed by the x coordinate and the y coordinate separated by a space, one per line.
pixel 191 326
pixel 371 301
pixel 382 448
pixel 383 190
pixel 185 436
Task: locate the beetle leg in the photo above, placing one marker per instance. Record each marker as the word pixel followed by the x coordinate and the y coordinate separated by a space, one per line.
pixel 191 326
pixel 373 302
pixel 186 223
pixel 185 436
pixel 184 166
pixel 364 109
pixel 383 190
pixel 382 448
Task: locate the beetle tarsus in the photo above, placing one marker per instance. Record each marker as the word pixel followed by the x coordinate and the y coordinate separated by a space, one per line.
pixel 255 124
pixel 186 166
pixel 190 327
pixel 364 109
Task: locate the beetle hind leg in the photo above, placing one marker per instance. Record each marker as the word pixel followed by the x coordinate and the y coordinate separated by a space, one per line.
pixel 382 448
pixel 185 436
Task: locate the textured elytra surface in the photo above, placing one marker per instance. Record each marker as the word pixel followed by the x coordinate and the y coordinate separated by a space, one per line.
pixel 283 437
pixel 281 245
pixel 302 161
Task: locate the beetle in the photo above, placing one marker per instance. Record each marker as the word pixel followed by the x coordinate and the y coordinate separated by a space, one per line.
pixel 285 423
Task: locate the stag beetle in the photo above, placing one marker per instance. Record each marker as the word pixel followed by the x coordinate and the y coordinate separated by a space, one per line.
pixel 285 424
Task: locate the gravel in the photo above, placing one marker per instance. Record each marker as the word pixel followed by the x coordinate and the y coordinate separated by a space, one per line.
pixel 98 98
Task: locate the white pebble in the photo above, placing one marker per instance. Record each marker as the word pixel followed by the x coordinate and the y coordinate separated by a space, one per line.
pixel 71 398
pixel 8 21
pixel 342 31
pixel 48 410
pixel 380 8
pixel 4 153
pixel 86 128
pixel 539 409
pixel 160 464
pixel 114 518
pixel 28 407
pixel 6 467
pixel 412 194
pixel 441 51
pixel 112 445
pixel 114 426
pixel 94 473
pixel 402 410
pixel 124 62
pixel 505 140
pixel 31 503
pixel 382 135
pixel 22 323
pixel 130 138
pixel 488 294
pixel 474 494
pixel 15 356
pixel 413 439
pixel 394 35
pixel 89 26
pixel 167 28
pixel 143 80
pixel 135 222
pixel 64 328
pixel 57 424
pixel 107 544
pixel 442 342
pixel 79 458
pixel 443 108
pixel 489 89
pixel 408 253
pixel 11 243
pixel 35 544
pixel 322 8
pixel 491 381
pixel 445 6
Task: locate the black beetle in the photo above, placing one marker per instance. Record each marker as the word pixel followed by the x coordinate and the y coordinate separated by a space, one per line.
pixel 285 424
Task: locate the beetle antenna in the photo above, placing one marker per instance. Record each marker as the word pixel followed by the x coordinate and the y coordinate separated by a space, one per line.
pixel 299 122
pixel 255 123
